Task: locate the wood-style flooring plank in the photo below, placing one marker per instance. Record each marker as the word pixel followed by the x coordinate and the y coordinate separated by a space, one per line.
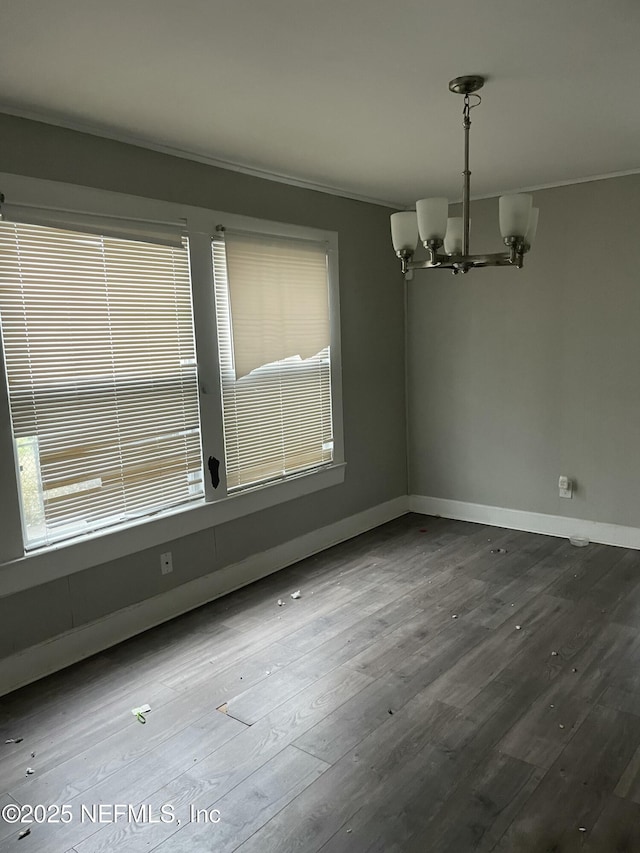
pixel 354 720
pixel 205 783
pixel 7 829
pixel 127 747
pixel 130 776
pixel 617 829
pixel 488 800
pixel 577 786
pixel 576 684
pixel 362 717
pixel 467 677
pixel 420 741
pixel 224 823
pixel 61 740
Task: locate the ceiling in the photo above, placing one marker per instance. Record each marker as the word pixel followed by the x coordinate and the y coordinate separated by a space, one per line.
pixel 350 95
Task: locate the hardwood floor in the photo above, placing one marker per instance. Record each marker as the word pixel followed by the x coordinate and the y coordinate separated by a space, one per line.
pixel 439 686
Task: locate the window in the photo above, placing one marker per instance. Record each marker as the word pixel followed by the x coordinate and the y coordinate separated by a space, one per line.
pixel 273 337
pixel 133 353
pixel 100 359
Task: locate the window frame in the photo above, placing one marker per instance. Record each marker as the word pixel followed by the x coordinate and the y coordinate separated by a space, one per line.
pixel 20 569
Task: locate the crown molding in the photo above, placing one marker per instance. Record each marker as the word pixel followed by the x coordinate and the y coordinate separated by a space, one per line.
pixel 228 165
pixel 551 186
pixel 555 184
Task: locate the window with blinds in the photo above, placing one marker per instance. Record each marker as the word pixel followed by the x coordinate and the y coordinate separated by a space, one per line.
pixel 273 336
pixel 100 358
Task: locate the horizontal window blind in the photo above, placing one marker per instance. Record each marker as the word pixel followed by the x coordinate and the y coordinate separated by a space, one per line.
pixel 165 233
pixel 278 295
pixel 277 418
pixel 100 357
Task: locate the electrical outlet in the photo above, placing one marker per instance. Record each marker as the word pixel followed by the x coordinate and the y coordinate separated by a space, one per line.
pixel 565 487
pixel 166 563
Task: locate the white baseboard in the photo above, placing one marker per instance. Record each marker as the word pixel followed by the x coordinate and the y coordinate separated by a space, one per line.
pixel 75 645
pixel 532 522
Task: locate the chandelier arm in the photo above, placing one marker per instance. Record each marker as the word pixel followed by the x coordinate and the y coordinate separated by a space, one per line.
pixel 458 262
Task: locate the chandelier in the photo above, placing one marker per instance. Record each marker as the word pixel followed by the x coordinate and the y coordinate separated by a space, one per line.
pixel 447 237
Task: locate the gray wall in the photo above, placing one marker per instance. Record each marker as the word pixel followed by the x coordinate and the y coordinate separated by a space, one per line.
pixel 371 306
pixel 516 377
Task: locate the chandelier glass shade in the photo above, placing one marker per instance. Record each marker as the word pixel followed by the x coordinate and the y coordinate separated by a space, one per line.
pixel 445 237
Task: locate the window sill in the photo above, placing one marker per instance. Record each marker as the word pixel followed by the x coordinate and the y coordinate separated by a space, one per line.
pixel 66 558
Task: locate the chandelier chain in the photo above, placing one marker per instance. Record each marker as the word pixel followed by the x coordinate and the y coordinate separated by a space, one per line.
pixel 468 107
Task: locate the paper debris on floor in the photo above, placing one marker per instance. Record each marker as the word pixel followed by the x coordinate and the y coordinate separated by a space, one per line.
pixel 14 740
pixel 30 771
pixel 280 603
pixel 140 711
pixel 296 594
pixel 24 833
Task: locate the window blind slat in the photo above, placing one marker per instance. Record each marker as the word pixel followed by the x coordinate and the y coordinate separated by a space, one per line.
pixel 100 357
